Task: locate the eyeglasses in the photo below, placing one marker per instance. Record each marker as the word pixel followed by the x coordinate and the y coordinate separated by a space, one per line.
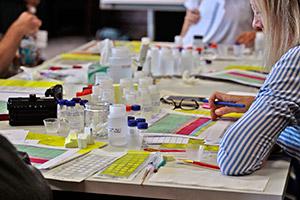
pixel 183 104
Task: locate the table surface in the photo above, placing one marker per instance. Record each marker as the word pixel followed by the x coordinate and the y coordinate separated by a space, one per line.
pixel 277 171
pixel 159 5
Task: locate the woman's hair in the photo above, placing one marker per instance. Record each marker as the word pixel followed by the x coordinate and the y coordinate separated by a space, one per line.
pixel 281 20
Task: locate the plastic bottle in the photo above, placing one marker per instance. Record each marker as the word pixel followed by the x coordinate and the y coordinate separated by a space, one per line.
pixel 120 64
pixel 142 129
pixel 134 139
pixel 146 103
pixel 177 60
pixel 166 62
pixel 155 61
pixel 117 125
pixel 145 82
pixel 28 52
pixel 155 98
pixel 178 41
pixel 125 84
pixel 75 122
pixel 259 44
pixel 198 42
pixel 186 60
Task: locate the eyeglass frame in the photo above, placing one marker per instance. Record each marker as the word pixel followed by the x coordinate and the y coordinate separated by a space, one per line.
pixel 179 105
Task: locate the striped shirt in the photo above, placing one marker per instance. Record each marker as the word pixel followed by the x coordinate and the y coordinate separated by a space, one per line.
pixel 274 117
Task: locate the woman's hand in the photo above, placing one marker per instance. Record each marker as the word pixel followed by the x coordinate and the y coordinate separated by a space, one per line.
pixel 192 16
pixel 246 38
pixel 218 111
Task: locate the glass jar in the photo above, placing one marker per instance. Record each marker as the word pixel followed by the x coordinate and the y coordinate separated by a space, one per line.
pixel 95 118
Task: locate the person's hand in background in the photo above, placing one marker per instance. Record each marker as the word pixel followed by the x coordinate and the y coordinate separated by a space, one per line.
pixel 33 3
pixel 246 38
pixel 218 111
pixel 192 16
pixel 27 24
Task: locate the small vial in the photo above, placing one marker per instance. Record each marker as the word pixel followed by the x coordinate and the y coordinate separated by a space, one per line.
pixel 142 128
pixel 155 98
pixel 134 139
pixel 130 118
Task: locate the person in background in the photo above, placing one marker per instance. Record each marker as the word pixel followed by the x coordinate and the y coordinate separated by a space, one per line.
pixel 26 24
pixel 223 21
pixel 273 116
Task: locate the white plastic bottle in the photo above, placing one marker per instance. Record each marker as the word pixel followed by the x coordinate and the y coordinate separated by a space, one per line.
pixel 117 125
pixel 127 85
pixel 166 62
pixel 155 61
pixel 186 60
pixel 74 118
pixel 198 42
pixel 177 60
pixel 142 129
pixel 133 136
pixel 155 99
pixel 120 64
pixel 178 41
pixel 259 44
pixel 146 103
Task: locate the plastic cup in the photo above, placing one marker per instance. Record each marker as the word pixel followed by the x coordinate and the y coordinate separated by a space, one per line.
pixel 238 50
pixel 192 151
pixel 223 50
pixel 51 125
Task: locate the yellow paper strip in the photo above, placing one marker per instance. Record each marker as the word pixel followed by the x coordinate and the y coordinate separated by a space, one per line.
pixel 82 57
pixel 26 83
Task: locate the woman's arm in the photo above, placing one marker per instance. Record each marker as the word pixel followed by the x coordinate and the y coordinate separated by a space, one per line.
pixel 248 142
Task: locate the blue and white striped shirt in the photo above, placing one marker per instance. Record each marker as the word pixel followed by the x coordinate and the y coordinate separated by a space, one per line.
pixel 274 117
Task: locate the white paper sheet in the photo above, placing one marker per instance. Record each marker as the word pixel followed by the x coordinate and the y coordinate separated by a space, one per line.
pixel 209 178
pixel 14 135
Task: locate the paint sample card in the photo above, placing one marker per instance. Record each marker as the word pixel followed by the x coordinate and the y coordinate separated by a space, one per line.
pixel 239 76
pixel 44 157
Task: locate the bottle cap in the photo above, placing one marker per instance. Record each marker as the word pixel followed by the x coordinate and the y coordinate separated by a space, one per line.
pixel 142 125
pixel 132 123
pixel 76 100
pixel 61 102
pixel 200 37
pixel 128 108
pixel 141 120
pixel 136 107
pixel 71 103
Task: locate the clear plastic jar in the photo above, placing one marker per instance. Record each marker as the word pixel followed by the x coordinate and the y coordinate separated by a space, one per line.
pixel 95 117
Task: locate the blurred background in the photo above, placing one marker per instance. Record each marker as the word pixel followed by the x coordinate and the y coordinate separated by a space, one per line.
pixel 71 23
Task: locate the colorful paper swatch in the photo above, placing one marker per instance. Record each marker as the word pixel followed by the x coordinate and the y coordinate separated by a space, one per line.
pixel 127 166
pixel 170 123
pixel 40 155
pixel 239 76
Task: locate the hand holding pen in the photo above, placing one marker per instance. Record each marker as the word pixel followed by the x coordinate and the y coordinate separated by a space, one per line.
pixel 221 104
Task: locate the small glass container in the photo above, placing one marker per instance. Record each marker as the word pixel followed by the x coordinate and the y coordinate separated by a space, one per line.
pixel 95 118
pixel 51 125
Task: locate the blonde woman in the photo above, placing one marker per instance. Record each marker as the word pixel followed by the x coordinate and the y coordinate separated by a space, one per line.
pixel 273 116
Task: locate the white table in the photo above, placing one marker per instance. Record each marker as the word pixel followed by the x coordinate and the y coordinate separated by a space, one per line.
pixel 277 170
pixel 148 5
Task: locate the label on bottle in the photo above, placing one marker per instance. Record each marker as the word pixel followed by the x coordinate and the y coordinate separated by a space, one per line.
pixel 114 130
